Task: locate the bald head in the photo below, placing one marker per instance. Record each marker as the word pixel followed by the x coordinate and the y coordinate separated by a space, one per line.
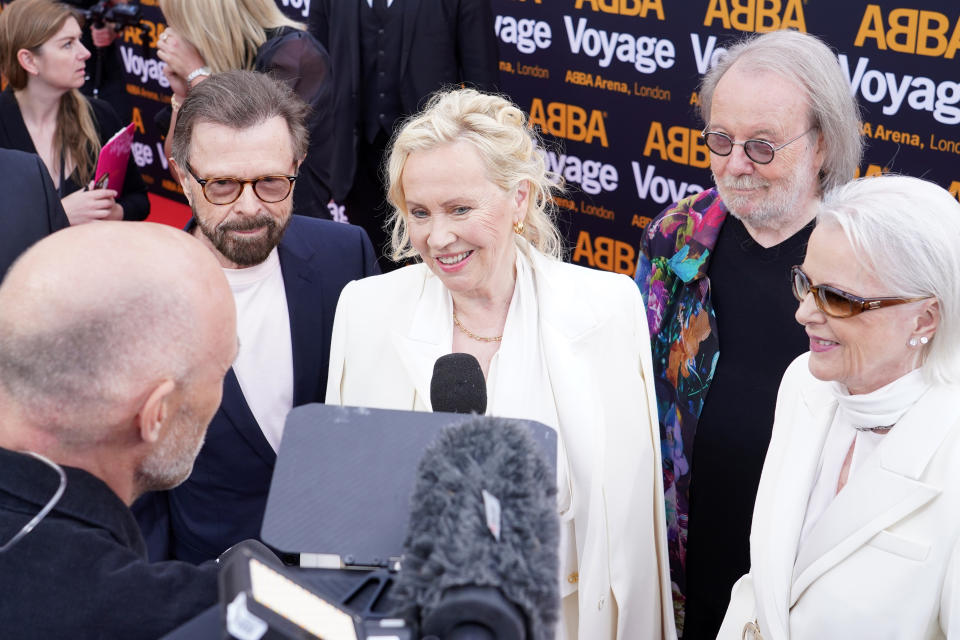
pixel 92 316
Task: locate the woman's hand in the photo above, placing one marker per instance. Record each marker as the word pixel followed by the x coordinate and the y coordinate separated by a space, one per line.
pixel 178 83
pixel 96 204
pixel 181 57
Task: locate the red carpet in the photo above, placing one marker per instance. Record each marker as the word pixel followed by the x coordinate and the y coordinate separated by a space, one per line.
pixel 167 211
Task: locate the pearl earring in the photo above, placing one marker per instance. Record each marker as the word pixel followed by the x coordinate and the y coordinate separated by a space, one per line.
pixel 924 339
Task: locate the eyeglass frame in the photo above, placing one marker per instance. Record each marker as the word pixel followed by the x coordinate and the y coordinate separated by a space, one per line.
pixel 243 183
pixel 767 143
pixel 860 304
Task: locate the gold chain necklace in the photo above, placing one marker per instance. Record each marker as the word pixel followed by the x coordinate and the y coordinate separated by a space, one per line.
pixel 471 334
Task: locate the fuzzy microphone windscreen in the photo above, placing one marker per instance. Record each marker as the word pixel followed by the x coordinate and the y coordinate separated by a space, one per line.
pixel 451 540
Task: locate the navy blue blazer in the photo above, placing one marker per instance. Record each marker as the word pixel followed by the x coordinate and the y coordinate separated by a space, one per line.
pixel 223 500
pixel 31 208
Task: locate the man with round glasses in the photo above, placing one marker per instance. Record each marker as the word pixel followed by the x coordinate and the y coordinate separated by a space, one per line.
pixel 782 129
pixel 238 143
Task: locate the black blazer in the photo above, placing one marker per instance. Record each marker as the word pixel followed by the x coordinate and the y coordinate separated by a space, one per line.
pixel 223 500
pixel 31 208
pixel 82 573
pixel 14 135
pixel 445 42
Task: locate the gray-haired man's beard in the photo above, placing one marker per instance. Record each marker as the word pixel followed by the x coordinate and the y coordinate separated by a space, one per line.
pixel 771 210
pixel 240 250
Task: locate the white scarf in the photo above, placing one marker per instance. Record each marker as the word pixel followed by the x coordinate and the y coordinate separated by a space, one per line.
pixel 880 408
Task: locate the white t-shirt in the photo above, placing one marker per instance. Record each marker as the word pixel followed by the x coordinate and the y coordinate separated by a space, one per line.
pixel 264 364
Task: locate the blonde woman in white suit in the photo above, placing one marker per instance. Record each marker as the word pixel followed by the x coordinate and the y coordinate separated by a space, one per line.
pixel 557 343
pixel 856 529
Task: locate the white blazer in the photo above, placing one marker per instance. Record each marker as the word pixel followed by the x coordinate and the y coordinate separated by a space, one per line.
pixel 597 352
pixel 883 561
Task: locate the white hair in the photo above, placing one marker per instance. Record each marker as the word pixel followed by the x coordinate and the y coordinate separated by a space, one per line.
pixel 907 232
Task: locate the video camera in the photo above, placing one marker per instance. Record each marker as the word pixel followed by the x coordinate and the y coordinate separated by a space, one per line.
pixel 121 15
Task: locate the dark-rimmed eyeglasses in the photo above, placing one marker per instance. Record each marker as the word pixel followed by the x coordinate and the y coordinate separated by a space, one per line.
pixel 837 303
pixel 227 190
pixel 759 151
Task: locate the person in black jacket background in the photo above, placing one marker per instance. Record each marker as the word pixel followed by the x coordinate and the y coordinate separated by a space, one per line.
pixel 43 112
pixel 32 209
pixel 388 56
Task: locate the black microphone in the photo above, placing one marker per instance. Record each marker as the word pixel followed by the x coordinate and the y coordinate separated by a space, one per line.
pixel 457 385
pixel 480 558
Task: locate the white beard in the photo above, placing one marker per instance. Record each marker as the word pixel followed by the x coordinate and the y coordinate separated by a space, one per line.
pixel 776 207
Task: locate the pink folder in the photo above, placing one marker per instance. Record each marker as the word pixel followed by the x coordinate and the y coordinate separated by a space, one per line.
pixel 114 156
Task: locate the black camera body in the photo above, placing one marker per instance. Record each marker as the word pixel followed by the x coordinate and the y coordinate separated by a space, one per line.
pixel 121 15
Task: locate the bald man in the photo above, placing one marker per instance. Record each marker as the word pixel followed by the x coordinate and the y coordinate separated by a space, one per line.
pixel 114 341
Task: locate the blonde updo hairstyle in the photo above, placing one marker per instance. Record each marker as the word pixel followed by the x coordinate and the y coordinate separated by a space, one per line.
pixel 508 147
pixel 226 33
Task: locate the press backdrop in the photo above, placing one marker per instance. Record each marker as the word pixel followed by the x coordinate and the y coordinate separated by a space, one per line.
pixel 612 84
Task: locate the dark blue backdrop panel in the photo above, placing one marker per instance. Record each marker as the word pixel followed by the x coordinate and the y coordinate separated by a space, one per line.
pixel 612 84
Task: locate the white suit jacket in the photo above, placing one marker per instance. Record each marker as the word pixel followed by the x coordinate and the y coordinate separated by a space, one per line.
pixel 596 344
pixel 883 561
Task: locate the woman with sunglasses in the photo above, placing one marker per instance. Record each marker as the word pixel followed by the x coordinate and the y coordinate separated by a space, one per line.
pixel 42 111
pixel 856 528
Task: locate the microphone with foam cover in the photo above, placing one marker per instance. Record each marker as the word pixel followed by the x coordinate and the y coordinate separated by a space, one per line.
pixel 480 557
pixel 457 385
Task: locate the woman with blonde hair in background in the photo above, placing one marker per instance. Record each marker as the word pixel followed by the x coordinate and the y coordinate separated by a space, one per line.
pixel 42 111
pixel 210 36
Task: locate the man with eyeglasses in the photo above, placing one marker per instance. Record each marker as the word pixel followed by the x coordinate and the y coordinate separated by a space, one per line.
pixel 714 270
pixel 114 341
pixel 239 140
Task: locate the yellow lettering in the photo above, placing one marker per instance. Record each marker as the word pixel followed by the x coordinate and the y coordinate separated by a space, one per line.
pixel 742 15
pixel 906 28
pixel 871 26
pixel 793 17
pixel 624 258
pixel 133 35
pixel 576 123
pixel 537 117
pixel 569 120
pixel 954 42
pixel 699 153
pixel 656 5
pixel 677 149
pixel 955 189
pixel 768 15
pixel 138 120
pixel 717 9
pixel 756 15
pixel 584 249
pixel 938 34
pixel 655 141
pixel 597 128
pixel 603 253
pixel 624 7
